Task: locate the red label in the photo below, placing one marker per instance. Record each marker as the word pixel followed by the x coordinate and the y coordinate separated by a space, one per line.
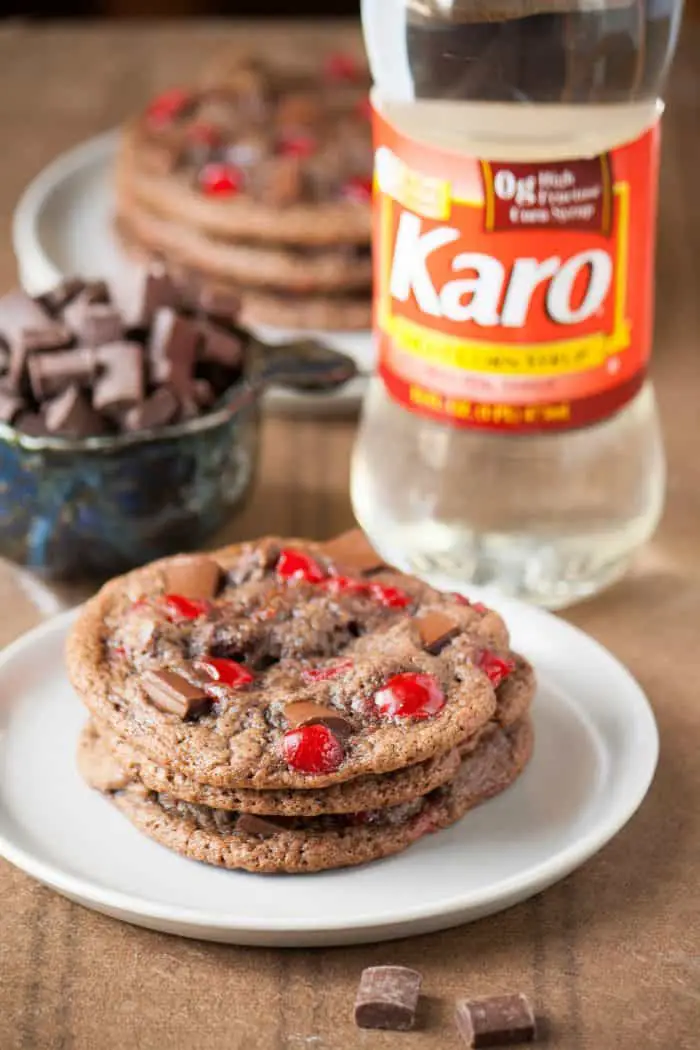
pixel 518 296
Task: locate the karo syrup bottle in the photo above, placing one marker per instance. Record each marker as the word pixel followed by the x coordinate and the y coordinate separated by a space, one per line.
pixel 510 436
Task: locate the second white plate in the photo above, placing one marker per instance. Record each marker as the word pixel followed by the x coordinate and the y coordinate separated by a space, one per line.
pixel 63 225
pixel 595 754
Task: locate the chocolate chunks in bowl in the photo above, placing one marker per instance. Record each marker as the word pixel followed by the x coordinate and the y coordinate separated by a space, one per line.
pixel 89 360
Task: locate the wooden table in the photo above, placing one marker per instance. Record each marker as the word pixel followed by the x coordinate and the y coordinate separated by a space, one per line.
pixel 612 954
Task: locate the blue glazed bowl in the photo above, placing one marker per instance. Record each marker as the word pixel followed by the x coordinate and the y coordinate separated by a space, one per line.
pixel 99 506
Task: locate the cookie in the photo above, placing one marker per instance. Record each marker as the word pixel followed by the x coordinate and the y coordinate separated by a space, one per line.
pixel 266 155
pixel 284 665
pixel 114 762
pixel 514 697
pixel 315 844
pixel 248 264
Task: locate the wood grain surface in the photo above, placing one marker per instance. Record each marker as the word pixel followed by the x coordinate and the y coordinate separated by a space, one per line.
pixel 612 954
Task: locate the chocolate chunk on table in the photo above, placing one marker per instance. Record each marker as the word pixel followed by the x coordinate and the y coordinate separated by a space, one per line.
pixel 172 349
pixel 193 576
pixel 353 551
pixel 387 998
pixel 436 630
pixel 71 415
pixel 306 713
pixel 500 1020
pixel 121 384
pixel 172 693
pixel 156 411
pixel 90 317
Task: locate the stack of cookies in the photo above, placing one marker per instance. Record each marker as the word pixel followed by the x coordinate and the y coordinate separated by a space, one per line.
pixel 259 182
pixel 284 706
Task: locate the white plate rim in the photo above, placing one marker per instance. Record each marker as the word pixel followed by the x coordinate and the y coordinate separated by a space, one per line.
pixel 515 887
pixel 25 236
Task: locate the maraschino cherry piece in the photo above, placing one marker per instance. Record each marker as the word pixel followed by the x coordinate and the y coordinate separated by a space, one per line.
pixel 204 134
pixel 224 672
pixel 359 188
pixel 345 585
pixel 410 695
pixel 461 600
pixel 320 674
pixel 391 597
pixel 164 109
pixel 297 146
pixel 494 667
pixel 340 66
pixel 312 749
pixel 220 180
pixel 180 608
pixel 295 565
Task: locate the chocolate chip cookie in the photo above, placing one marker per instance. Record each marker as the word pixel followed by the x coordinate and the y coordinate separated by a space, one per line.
pixel 308 844
pixel 282 665
pixel 260 180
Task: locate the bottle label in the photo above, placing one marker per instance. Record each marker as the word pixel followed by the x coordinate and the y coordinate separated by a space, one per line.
pixel 513 297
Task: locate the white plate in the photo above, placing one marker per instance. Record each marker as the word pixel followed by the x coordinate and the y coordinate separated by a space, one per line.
pixel 595 754
pixel 63 225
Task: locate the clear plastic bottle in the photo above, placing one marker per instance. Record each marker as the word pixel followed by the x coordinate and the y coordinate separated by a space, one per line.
pixel 552 515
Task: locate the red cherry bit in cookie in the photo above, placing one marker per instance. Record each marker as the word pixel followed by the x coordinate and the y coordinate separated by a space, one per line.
pixel 345 585
pixel 224 672
pixel 164 109
pixel 321 674
pixel 297 146
pixel 410 695
pixel 204 134
pixel 179 608
pixel 461 600
pixel 220 180
pixel 391 597
pixel 494 667
pixel 359 189
pixel 312 749
pixel 340 66
pixel 295 565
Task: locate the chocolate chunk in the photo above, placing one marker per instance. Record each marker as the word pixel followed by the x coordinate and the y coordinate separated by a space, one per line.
pixel 156 411
pixel 49 374
pixel 436 630
pixel 33 424
pixel 387 998
pixel 203 393
pixel 18 311
pixel 172 349
pixel 193 576
pixel 88 315
pixel 172 693
pixel 121 384
pixel 71 414
pixel 497 1021
pixel 218 303
pixel 140 293
pixel 353 551
pixel 261 827
pixel 59 297
pixel 11 405
pixel 48 337
pixel 306 713
pixel 102 323
pixel 221 346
